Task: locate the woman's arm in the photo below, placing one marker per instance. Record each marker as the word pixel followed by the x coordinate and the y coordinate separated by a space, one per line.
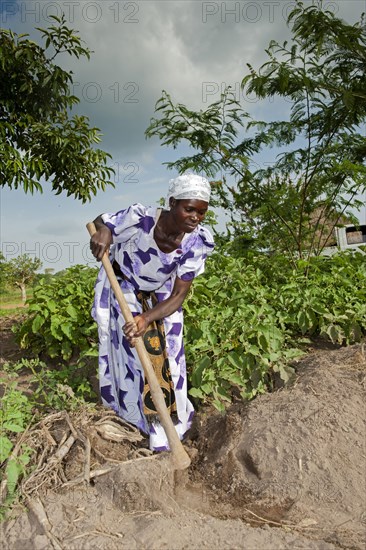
pixel 101 240
pixel 161 310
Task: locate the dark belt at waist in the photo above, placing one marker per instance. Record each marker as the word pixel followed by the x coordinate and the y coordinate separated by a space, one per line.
pixel 117 270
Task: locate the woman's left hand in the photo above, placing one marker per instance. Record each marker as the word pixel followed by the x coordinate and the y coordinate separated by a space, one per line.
pixel 133 330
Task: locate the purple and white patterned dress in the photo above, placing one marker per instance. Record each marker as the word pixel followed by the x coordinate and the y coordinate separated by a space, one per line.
pixel 147 268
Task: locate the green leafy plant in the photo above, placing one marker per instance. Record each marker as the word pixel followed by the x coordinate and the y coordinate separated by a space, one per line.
pixel 248 319
pixel 59 323
pixel 330 299
pixel 62 388
pixel 47 390
pixel 232 333
pixel 15 415
pixel 39 139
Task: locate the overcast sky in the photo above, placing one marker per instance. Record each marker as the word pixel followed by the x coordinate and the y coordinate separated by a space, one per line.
pixel 190 49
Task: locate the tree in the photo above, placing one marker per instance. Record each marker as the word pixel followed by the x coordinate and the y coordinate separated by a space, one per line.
pixel 320 167
pixel 21 271
pixel 39 139
pixel 2 272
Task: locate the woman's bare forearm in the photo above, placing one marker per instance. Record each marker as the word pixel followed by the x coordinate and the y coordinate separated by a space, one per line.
pixel 162 309
pixel 171 304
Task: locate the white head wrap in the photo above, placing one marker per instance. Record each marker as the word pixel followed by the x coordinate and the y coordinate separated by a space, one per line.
pixel 189 186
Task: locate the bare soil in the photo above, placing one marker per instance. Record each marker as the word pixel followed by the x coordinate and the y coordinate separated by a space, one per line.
pixel 285 471
pixel 9 351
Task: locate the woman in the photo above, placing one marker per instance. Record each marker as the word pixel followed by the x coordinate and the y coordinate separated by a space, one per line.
pixel 155 256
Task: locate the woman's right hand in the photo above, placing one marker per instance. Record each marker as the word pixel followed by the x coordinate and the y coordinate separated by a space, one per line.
pixel 134 329
pixel 101 240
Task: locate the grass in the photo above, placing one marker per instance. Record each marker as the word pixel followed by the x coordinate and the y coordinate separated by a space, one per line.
pixel 8 312
pixel 12 298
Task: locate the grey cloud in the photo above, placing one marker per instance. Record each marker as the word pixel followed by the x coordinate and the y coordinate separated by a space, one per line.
pixel 191 49
pixel 155 45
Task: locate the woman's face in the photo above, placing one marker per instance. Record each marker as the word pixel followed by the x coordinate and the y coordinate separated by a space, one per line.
pixel 188 213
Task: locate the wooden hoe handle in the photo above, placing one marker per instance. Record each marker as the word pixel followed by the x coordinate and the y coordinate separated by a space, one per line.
pixel 181 459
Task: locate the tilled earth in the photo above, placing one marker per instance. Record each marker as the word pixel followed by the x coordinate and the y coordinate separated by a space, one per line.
pixel 286 471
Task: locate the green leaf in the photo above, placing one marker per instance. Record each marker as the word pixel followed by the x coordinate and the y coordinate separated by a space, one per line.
pixel 218 405
pixel 355 332
pixel 93 352
pixel 302 321
pixel 72 311
pixel 5 448
pixel 196 392
pixel 66 329
pixel 206 388
pixel 37 323
pixel 222 393
pixel 286 372
pixel 55 327
pixel 213 281
pixel 198 370
pixel 13 471
pixel 11 427
pixel 235 359
pixel 211 336
pixel 235 379
pixel 333 333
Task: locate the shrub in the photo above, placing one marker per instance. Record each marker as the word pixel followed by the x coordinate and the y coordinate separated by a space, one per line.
pixel 248 319
pixel 59 321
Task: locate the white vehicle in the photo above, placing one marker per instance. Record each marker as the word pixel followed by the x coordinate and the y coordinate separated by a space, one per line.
pixel 348 237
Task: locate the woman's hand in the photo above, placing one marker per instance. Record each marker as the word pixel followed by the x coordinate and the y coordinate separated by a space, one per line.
pixel 135 329
pixel 101 240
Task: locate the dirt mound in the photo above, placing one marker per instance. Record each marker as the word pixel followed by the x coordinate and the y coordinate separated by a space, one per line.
pixel 136 506
pixel 284 471
pixel 297 455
